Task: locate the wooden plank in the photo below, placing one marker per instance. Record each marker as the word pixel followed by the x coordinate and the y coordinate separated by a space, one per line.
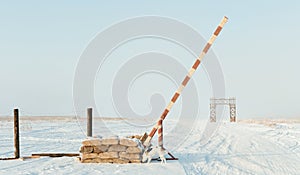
pixel 56 154
pixel 8 158
pixel 29 157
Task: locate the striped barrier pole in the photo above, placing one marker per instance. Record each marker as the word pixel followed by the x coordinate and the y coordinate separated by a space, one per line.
pixel 186 79
pixel 160 133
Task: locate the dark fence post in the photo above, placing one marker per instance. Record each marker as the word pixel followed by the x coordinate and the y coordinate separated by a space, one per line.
pixel 89 122
pixel 16 133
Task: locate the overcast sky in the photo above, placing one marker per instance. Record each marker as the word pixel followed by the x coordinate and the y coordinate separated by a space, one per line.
pixel 41 42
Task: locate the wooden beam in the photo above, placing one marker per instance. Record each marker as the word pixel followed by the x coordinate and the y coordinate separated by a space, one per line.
pixel 29 157
pixel 8 158
pixel 56 154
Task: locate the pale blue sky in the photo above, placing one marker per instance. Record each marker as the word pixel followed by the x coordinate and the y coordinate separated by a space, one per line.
pixel 40 44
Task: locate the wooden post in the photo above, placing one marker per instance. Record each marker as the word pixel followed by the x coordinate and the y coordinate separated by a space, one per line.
pixel 89 122
pixel 16 133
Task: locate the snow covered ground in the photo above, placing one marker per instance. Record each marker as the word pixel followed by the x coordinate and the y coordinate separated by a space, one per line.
pixel 248 147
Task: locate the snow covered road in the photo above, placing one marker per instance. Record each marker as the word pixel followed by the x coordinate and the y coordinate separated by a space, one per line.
pixel 246 149
pixel 235 148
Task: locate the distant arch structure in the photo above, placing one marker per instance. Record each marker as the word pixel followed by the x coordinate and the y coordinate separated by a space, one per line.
pixel 231 102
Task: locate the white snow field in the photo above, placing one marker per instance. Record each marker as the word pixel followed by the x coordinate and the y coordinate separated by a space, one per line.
pixel 245 147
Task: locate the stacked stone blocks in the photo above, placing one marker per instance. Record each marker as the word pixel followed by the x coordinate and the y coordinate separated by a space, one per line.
pixel 111 150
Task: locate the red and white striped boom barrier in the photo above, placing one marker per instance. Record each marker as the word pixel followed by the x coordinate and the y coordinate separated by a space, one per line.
pixel 183 84
pixel 160 133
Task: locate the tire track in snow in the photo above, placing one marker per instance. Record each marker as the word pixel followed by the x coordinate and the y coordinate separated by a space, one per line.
pixel 238 149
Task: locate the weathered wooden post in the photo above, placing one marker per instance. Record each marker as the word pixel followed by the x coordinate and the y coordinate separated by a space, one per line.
pixel 16 133
pixel 89 122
